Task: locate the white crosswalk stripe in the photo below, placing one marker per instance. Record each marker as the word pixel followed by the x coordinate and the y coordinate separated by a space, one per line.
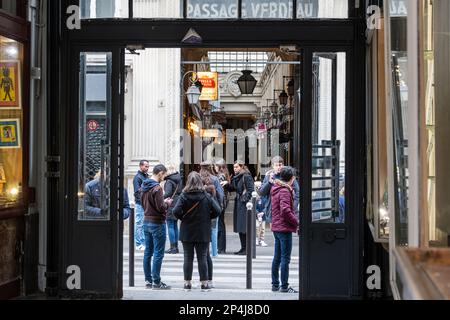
pixel 229 271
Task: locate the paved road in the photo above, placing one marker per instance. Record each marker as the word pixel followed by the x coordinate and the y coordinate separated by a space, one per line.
pixel 229 273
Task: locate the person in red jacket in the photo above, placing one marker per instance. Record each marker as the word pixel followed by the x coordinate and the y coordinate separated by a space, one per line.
pixel 284 223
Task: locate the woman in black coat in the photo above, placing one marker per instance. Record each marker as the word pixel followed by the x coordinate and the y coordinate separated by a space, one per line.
pixel 242 183
pixel 196 208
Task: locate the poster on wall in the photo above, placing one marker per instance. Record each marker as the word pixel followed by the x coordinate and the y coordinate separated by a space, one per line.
pixel 210 91
pixel 10 85
pixel 10 134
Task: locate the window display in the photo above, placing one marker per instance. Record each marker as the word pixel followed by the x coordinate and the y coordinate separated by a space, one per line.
pixel 11 149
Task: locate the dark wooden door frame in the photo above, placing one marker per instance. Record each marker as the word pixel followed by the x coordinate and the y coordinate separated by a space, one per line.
pixel 240 33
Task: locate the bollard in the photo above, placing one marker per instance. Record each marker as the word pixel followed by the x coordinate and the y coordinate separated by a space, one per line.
pixel 249 246
pixel 131 250
pixel 254 199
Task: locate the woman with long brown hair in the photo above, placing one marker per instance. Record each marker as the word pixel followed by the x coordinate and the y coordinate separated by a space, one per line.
pixel 242 183
pixel 196 208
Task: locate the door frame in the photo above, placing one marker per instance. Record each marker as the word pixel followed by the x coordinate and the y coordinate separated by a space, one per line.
pixel 153 33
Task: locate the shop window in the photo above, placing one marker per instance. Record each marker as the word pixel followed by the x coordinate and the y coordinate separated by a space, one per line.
pixel 9 6
pixel 98 9
pixel 157 8
pixel 11 123
pixel 378 206
pixel 399 103
pixel 435 96
pixel 322 9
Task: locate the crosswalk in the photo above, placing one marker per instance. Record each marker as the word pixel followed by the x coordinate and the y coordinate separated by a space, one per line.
pixel 229 271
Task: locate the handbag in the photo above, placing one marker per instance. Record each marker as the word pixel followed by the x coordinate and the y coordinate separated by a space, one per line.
pixel 191 209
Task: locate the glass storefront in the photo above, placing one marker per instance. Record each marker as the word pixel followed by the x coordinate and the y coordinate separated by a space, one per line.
pixel 434 56
pixel 216 9
pixel 11 122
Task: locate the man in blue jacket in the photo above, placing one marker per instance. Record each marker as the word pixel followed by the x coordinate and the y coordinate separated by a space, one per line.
pixel 140 177
pixel 92 200
pixel 266 187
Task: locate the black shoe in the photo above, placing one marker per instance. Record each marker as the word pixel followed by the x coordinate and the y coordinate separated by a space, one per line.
pixel 222 252
pixel 275 288
pixel 240 252
pixel 205 288
pixel 187 287
pixel 288 290
pixel 161 286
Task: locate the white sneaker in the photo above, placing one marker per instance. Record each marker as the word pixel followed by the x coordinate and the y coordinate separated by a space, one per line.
pixel 140 248
pixel 257 242
pixel 263 244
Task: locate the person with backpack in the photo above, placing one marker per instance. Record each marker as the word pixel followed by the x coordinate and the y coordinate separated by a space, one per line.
pixel 242 183
pixel 196 208
pixel 269 181
pixel 284 223
pixel 221 172
pixel 209 179
pixel 172 190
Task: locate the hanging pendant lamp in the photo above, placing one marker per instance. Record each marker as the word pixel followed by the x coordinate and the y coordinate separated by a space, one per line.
pixel 247 83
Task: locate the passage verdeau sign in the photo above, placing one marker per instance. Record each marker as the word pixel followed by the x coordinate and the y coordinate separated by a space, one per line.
pixel 210 91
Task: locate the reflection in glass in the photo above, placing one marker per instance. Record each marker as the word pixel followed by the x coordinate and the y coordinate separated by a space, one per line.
pixel 212 9
pixel 157 8
pixel 399 63
pixel 100 9
pixel 321 9
pixel 328 137
pixel 94 136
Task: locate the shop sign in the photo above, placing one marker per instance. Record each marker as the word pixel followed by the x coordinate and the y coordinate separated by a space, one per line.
pixel 252 9
pixel 210 91
pixel 398 8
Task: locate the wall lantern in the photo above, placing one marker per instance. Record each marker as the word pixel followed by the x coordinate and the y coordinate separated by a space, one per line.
pixel 283 98
pixel 247 83
pixel 193 94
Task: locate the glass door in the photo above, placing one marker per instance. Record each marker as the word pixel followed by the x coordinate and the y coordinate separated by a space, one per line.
pixel 95 181
pixel 326 233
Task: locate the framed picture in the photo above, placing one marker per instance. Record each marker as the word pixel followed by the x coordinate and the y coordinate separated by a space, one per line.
pixel 10 85
pixel 10 134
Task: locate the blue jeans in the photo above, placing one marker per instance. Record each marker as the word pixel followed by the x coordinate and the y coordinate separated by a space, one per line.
pixel 155 242
pixel 172 229
pixel 281 259
pixel 139 238
pixel 214 235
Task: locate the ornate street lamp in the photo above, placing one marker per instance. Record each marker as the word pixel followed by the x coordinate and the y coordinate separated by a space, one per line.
pixel 193 94
pixel 247 83
pixel 194 91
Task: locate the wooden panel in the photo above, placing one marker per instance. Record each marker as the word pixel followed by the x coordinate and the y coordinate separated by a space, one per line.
pixel 11 235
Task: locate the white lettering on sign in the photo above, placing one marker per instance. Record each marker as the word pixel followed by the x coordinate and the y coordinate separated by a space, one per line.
pixel 305 10
pixel 214 10
pixel 398 8
pixel 265 9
